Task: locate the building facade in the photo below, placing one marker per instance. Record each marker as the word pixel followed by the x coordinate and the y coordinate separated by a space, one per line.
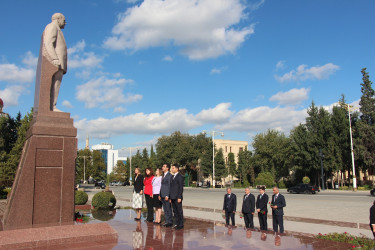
pixel 110 155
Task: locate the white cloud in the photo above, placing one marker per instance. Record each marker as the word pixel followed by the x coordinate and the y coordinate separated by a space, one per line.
pixel 291 97
pixel 78 58
pixel 217 70
pixel 119 109
pixel 280 65
pixel 202 29
pixel 30 60
pixel 167 59
pixel 262 118
pixel 302 73
pixel 13 73
pixel 217 115
pixel 67 104
pixel 105 93
pixel 248 120
pixel 11 94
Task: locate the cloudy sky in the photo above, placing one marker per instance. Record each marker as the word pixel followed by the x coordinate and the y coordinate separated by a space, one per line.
pixel 141 69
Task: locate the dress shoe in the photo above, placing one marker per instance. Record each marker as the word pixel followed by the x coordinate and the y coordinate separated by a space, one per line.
pixel 167 225
pixel 179 228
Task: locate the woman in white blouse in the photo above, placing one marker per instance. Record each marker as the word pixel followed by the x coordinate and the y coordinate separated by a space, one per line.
pixel 156 185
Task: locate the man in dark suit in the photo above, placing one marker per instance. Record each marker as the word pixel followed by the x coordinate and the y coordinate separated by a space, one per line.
pixel 261 205
pixel 177 188
pixel 372 219
pixel 229 206
pixel 277 204
pixel 248 208
pixel 165 195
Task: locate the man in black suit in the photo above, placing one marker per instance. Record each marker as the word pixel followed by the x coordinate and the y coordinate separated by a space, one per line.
pixel 372 219
pixel 229 206
pixel 165 195
pixel 177 188
pixel 261 205
pixel 277 204
pixel 248 208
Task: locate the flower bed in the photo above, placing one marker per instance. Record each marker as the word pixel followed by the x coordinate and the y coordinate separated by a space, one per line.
pixel 357 242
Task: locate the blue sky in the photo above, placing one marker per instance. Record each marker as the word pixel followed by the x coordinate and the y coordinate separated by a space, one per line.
pixel 141 69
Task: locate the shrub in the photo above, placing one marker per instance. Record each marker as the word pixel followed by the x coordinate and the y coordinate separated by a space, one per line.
pixel 3 193
pixel 103 200
pixel 103 214
pixel 344 188
pixel 80 198
pixel 361 242
pixel 306 180
pixel 265 179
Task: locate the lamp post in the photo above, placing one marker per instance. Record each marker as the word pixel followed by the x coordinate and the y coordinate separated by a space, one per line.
pixel 350 108
pixel 84 166
pixel 130 159
pixel 213 153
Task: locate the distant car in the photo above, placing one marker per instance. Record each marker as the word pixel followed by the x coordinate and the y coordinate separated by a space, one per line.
pixel 372 192
pixel 303 188
pixel 100 184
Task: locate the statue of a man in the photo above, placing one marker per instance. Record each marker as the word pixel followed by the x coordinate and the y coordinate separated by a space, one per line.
pixel 56 52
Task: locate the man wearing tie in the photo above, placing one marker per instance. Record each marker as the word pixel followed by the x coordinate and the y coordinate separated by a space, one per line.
pixel 165 195
pixel 277 204
pixel 229 207
pixel 177 188
pixel 248 208
pixel 262 209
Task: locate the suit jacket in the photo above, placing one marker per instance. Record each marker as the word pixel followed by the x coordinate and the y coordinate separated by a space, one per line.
pixel 166 185
pixel 230 204
pixel 54 43
pixel 138 183
pixel 177 187
pixel 372 215
pixel 262 203
pixel 248 204
pixel 280 203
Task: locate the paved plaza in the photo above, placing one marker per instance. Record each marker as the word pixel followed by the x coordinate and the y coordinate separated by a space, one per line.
pixel 326 212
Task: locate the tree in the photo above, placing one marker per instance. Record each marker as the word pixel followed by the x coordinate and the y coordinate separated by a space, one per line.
pixel 84 167
pixel 12 139
pixel 145 160
pixel 220 170
pixel 364 130
pixel 120 172
pixel 99 168
pixel 153 159
pixel 231 165
pixel 245 170
pixel 271 153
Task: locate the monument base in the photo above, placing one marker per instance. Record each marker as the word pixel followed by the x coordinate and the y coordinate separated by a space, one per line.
pixel 87 236
pixel 43 189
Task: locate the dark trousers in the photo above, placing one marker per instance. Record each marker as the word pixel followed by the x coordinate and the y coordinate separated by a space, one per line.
pixel 231 216
pixel 167 211
pixel 249 220
pixel 150 207
pixel 178 213
pixel 278 221
pixel 372 231
pixel 263 221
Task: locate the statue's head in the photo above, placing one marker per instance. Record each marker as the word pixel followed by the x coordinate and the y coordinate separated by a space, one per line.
pixel 60 19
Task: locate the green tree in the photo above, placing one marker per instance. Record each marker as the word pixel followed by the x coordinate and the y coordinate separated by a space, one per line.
pixel 12 139
pixel 99 169
pixel 231 165
pixel 245 170
pixel 145 160
pixel 365 128
pixel 120 172
pixel 84 167
pixel 220 170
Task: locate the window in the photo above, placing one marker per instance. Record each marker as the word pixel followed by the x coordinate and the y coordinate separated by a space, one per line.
pixel 226 149
pixel 230 149
pixel 241 149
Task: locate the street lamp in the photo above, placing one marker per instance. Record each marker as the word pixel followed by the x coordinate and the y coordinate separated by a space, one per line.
pixel 84 166
pixel 350 108
pixel 213 153
pixel 130 159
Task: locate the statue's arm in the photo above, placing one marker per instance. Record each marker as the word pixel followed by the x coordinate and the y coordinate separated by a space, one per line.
pixel 50 37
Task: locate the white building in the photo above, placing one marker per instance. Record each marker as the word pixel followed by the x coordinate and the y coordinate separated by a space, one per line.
pixel 110 155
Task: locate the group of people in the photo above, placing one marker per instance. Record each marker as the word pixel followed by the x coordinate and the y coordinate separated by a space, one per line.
pixel 250 206
pixel 162 190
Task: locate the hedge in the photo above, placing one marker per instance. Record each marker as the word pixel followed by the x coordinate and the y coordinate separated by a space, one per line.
pixel 104 200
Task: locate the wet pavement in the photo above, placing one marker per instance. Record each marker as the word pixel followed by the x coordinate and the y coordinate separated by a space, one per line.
pixel 199 234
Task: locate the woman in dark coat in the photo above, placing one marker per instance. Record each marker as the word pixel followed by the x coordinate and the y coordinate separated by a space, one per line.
pixel 372 219
pixel 138 193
